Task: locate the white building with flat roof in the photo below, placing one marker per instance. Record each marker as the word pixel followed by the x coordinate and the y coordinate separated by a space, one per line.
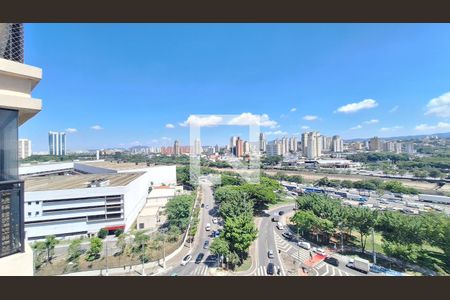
pixel 108 195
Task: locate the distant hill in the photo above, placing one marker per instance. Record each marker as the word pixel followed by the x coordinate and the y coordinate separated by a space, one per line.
pixel 406 137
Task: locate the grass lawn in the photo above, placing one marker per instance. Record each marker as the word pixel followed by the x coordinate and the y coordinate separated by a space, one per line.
pixel 245 265
pixel 283 201
pixel 369 244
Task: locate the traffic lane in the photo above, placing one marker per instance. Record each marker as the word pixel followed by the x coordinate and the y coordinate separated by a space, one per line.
pixel 266 239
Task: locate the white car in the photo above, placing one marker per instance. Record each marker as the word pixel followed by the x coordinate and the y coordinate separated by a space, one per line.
pixel 280 226
pixel 304 245
pixel 215 220
pixel 186 259
pixel 208 227
pixel 319 251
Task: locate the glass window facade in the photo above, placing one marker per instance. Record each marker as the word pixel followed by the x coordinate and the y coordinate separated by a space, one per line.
pixel 11 188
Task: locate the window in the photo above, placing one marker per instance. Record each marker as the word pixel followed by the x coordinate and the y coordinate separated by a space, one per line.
pixel 29 203
pixel 37 202
pixel 29 214
pixel 36 213
pixel 141 225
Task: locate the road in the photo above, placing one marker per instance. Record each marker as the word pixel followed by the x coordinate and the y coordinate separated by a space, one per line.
pixel 209 261
pixel 271 238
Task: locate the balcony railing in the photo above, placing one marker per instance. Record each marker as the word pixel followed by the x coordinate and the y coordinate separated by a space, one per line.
pixel 11 41
pixel 12 232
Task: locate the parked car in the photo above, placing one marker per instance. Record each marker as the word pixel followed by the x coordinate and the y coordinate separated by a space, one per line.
pixel 214 220
pixel 275 219
pixel 186 259
pixel 281 212
pixel 203 205
pixel 304 245
pixel 288 235
pixel 206 244
pixel 208 227
pixel 270 269
pixel 270 254
pixel 332 261
pixel 207 206
pixel 199 258
pixel 280 226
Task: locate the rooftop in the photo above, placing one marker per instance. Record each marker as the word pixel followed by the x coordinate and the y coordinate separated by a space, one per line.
pixel 117 166
pixel 66 182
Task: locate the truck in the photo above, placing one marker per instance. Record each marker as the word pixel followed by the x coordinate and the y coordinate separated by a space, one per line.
pixel 434 198
pixel 359 264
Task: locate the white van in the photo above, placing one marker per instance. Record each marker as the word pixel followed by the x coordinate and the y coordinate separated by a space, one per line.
pixel 280 226
pixel 208 227
pixel 304 245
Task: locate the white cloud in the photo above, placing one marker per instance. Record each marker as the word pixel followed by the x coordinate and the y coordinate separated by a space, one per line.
pixel 373 121
pixel 251 119
pixel 356 127
pixel 293 109
pixel 394 109
pixel 96 127
pixel 278 132
pixel 170 125
pixel 71 130
pixel 393 128
pixel 438 126
pixel 165 138
pixel 439 106
pixel 305 127
pixel 310 118
pixel 357 106
pixel 202 121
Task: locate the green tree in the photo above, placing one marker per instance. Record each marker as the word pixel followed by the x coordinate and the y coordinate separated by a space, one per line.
pixel 219 247
pixel 50 243
pixel 96 246
pixel 40 251
pixel 121 243
pixel 240 232
pixel 74 250
pixel 102 233
pixel 179 211
pixel 363 220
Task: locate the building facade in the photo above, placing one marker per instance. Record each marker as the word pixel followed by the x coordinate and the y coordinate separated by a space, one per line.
pixel 17 81
pixel 57 143
pixel 24 148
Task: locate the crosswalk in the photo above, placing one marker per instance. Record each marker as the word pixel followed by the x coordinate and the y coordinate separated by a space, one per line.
pixel 297 253
pixel 325 269
pixel 261 271
pixel 201 270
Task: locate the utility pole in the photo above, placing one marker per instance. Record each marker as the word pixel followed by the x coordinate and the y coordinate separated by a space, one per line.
pixel 164 252
pixel 143 254
pixel 106 256
pixel 373 247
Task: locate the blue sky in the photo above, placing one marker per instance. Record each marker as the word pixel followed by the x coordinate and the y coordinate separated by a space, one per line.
pixel 118 85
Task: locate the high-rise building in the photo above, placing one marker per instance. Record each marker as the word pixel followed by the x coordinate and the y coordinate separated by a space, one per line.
pixel 398 147
pixel 274 148
pixel 409 148
pixel 389 146
pixel 24 148
pixel 285 146
pixel 326 143
pixel 304 144
pixel 16 107
pixel 176 148
pixel 293 144
pixel 197 147
pixel 262 142
pixel 337 144
pixel 246 147
pixel 239 152
pixel 57 143
pixel 375 144
pixel 314 148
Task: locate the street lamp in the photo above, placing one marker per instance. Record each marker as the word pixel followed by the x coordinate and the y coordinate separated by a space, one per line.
pixel 373 247
pixel 106 257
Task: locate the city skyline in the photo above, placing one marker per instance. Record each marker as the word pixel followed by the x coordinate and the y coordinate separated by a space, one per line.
pixel 352 80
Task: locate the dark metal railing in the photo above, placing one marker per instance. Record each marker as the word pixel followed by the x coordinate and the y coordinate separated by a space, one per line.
pixel 11 41
pixel 12 232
